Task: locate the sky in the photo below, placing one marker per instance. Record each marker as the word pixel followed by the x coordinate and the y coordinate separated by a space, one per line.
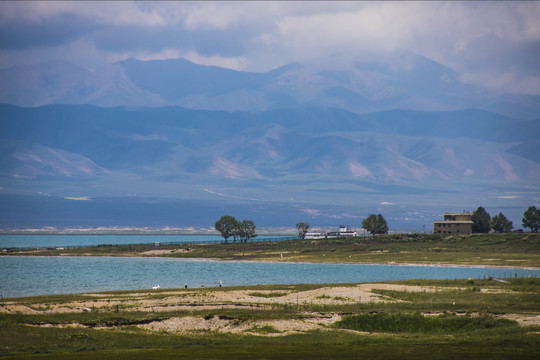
pixel 493 44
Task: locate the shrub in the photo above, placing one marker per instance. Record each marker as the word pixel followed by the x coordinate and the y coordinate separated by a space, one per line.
pixel 268 295
pixel 265 329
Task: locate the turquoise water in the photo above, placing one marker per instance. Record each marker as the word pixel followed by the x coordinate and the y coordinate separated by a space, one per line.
pixel 53 241
pixel 28 275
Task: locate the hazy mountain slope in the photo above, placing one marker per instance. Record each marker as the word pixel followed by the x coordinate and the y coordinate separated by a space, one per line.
pixel 176 79
pixel 528 149
pixel 177 147
pixel 470 123
pixel 47 83
pixel 30 160
pixel 404 81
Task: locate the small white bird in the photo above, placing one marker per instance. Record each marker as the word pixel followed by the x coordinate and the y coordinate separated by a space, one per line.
pixel 155 287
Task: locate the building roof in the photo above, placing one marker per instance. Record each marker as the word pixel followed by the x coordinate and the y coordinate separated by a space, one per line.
pixel 453 221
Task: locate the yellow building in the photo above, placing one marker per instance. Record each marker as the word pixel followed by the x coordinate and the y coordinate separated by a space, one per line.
pixel 454 223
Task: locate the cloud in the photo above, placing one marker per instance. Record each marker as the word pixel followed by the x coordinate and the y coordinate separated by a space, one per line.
pixel 381 27
pixel 235 63
pixel 57 30
pixel 510 81
pixel 165 54
pixel 104 12
pixel 496 44
pixel 79 198
pixel 208 15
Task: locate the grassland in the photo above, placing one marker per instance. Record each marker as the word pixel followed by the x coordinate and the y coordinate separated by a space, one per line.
pixel 513 249
pixel 468 319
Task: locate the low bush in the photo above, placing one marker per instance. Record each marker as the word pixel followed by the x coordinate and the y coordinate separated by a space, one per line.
pixel 265 329
pixel 268 295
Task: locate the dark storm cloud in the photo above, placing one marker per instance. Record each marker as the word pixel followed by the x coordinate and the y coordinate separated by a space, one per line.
pixel 56 30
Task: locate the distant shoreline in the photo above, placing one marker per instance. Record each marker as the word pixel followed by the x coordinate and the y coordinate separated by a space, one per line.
pixel 141 231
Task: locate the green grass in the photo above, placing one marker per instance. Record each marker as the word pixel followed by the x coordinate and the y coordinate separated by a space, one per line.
pixel 99 344
pixel 266 329
pixel 416 322
pixel 512 249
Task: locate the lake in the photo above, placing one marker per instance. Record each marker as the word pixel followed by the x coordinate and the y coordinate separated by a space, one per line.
pixel 40 275
pixel 54 241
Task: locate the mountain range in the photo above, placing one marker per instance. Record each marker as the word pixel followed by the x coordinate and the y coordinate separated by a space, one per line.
pixel 327 140
pixel 403 81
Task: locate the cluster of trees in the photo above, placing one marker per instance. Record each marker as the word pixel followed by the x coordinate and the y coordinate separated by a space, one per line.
pixel 483 222
pixel 228 227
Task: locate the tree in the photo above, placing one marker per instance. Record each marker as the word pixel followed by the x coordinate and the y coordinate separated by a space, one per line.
pixel 375 224
pixel 481 221
pixel 302 228
pixel 531 219
pixel 247 230
pixel 227 226
pixel 501 224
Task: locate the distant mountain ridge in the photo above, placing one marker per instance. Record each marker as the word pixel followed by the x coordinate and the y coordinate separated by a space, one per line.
pixel 408 81
pixel 180 152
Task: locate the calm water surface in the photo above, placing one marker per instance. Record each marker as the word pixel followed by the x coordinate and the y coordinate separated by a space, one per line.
pixel 29 275
pixel 53 241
